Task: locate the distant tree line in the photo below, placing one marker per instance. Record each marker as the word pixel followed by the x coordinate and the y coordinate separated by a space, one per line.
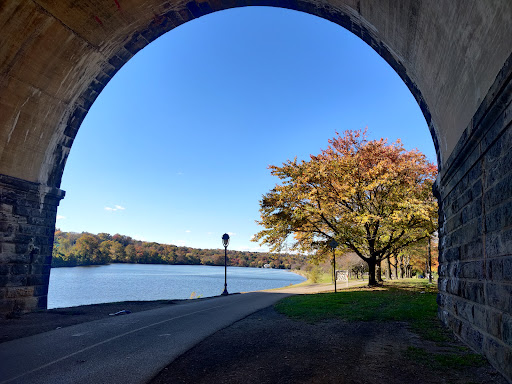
pixel 72 249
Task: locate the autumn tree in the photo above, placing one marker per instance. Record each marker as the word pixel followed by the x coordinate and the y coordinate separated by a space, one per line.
pixel 88 252
pixel 372 197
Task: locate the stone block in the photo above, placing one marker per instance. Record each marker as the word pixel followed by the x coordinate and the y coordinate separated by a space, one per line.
pixel 19 292
pixel 454 286
pixel 6 208
pixel 499 192
pixel 499 243
pixel 451 303
pixel 16 281
pixel 472 336
pixel 454 269
pixel 40 290
pixel 507 269
pixel 499 218
pixel 40 269
pixel 455 325
pixel 42 259
pixel 39 221
pixel 493 154
pixel 497 170
pixel 493 244
pixel 19 269
pixel 499 355
pixel 3 292
pixel 442 270
pixel 8 228
pixel 475 174
pixel 124 55
pixel 451 254
pixel 453 222
pixel 8 247
pixel 440 299
pixel 74 121
pixel 42 301
pixel 38 279
pixel 158 26
pixel 499 296
pixel 472 270
pixel 194 9
pixel 33 230
pixel 465 310
pixel 473 291
pixel 494 269
pixel 23 243
pixel 14 258
pixel 443 285
pixel 472 211
pixel 186 15
pixel 136 43
pixel 507 329
pixel 500 269
pixel 5 269
pixel 493 323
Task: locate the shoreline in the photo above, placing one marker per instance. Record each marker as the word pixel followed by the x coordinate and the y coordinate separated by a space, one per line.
pixel 45 320
pixel 174 282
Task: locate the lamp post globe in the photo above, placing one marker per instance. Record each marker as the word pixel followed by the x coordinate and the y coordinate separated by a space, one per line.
pixel 225 243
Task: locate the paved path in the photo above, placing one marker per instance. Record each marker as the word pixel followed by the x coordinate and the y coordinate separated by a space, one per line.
pixel 123 349
pixel 319 287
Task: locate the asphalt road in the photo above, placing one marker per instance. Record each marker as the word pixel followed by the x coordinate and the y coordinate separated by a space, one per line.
pixel 123 349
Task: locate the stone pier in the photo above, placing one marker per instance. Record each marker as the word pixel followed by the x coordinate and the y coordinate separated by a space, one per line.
pixel 27 224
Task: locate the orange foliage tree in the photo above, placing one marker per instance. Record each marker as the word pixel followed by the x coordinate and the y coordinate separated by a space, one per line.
pixel 372 197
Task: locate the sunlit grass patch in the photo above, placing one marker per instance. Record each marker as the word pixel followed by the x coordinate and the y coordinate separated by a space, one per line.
pixel 411 300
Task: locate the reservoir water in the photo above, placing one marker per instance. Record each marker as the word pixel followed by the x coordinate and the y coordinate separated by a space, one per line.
pixel 121 282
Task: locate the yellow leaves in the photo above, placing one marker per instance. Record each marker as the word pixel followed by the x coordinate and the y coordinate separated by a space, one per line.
pixel 354 187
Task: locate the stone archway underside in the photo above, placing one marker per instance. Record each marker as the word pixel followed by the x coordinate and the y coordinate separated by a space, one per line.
pixel 455 57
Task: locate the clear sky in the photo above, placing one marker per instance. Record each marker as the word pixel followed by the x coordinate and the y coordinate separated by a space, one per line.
pixel 176 147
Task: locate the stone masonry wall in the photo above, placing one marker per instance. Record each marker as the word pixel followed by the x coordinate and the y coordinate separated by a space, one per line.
pixel 27 224
pixel 475 259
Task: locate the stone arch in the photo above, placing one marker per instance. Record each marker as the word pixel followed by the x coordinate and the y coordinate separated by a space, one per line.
pixel 96 59
pixel 455 57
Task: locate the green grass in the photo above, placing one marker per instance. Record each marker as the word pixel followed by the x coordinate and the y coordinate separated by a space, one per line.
pixel 445 361
pixel 409 300
pixel 320 278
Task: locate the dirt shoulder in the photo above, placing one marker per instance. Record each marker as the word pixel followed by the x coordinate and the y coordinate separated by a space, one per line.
pixel 268 347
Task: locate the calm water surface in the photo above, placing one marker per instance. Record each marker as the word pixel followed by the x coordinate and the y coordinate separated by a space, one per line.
pixel 119 282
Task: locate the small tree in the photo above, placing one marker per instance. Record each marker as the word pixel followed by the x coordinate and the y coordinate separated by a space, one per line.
pixel 373 198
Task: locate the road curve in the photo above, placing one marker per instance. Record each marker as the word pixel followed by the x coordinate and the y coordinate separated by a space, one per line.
pixel 123 349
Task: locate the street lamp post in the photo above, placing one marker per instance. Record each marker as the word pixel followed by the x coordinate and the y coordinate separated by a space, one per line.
pixel 333 244
pixel 225 242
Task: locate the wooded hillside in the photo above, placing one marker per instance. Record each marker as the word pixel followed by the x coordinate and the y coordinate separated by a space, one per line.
pixel 73 249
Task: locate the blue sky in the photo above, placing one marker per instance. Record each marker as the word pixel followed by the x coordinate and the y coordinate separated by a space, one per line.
pixel 176 147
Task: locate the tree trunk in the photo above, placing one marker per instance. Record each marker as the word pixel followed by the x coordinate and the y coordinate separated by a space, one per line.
pixel 371 272
pixel 402 269
pixel 396 266
pixel 389 268
pixel 407 265
pixel 378 271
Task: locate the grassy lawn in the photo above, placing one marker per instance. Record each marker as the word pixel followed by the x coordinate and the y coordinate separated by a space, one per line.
pixel 410 300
